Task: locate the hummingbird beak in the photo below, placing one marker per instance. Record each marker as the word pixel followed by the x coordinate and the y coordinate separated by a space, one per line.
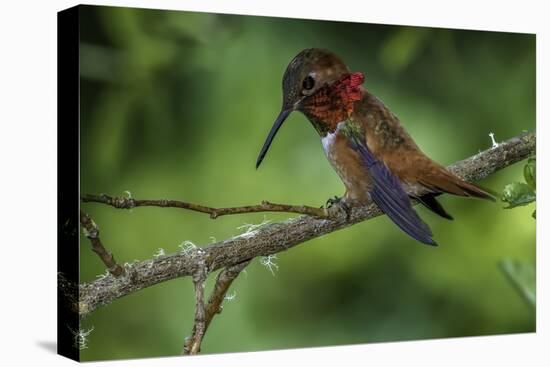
pixel 276 126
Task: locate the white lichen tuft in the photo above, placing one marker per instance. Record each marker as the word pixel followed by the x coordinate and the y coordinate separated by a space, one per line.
pixel 188 247
pixel 94 226
pixel 493 141
pixel 129 195
pixel 130 265
pixel 85 232
pixel 251 229
pixel 268 262
pixel 103 275
pixel 160 252
pixel 230 297
pixel 81 337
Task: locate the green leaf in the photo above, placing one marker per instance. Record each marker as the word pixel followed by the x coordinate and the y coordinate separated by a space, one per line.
pixel 530 172
pixel 523 278
pixel 517 194
pixel 534 214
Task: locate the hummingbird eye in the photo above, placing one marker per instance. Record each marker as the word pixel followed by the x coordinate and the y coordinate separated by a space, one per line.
pixel 308 83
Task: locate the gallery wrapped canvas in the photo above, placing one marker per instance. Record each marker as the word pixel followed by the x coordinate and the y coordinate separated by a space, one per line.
pixel 233 183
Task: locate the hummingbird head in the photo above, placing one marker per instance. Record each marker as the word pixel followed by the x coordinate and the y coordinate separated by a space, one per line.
pixel 318 84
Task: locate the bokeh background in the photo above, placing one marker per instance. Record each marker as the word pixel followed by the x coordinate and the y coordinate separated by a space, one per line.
pixel 177 105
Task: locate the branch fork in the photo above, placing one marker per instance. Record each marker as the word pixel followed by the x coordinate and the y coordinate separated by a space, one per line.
pixel 205 313
pixel 193 343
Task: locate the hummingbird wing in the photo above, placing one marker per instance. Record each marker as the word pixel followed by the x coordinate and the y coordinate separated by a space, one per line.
pixel 396 148
pixel 391 198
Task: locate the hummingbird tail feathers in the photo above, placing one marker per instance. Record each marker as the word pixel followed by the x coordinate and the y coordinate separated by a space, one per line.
pixel 445 181
pixel 430 202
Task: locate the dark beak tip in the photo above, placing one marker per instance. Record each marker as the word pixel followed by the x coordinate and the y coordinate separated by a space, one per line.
pixel 278 122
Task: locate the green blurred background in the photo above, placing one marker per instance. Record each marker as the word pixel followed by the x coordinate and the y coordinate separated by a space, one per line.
pixel 177 105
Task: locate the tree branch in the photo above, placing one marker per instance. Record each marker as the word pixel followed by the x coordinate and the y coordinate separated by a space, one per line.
pixel 122 202
pixel 193 347
pixel 214 306
pixel 276 237
pixel 92 233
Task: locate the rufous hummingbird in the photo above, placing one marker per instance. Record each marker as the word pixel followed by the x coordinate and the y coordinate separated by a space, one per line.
pixel 374 156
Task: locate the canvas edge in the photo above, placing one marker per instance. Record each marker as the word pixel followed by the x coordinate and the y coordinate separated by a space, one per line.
pixel 68 190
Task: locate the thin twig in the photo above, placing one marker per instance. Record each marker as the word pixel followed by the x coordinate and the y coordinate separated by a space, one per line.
pixel 92 233
pixel 214 306
pixel 122 202
pixel 276 237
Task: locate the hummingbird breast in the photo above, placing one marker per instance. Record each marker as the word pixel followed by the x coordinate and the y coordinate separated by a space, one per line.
pixel 347 164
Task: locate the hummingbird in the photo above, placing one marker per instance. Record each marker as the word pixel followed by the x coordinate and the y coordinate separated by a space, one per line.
pixel 372 153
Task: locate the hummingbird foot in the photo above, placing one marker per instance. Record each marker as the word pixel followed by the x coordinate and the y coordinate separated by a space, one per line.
pixel 333 201
pixel 337 207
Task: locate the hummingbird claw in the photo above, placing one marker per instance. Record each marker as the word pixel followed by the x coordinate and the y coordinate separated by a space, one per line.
pixel 337 206
pixel 332 201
